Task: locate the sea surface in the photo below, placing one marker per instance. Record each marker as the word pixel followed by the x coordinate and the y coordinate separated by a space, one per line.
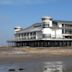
pixel 50 64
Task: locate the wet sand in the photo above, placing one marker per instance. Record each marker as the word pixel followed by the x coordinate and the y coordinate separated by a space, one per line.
pixel 23 58
pixel 14 55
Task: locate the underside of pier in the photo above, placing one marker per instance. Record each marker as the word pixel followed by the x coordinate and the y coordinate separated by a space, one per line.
pixel 42 43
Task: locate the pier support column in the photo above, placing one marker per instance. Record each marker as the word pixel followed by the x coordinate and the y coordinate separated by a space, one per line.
pixel 67 43
pixel 41 43
pixel 60 43
pixel 71 43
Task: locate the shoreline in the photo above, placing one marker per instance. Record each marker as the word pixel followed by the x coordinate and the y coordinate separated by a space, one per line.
pixel 14 55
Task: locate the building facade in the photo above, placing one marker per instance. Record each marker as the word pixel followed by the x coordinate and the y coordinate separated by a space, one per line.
pixel 47 33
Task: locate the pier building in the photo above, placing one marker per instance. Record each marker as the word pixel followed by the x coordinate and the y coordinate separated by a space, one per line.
pixel 47 33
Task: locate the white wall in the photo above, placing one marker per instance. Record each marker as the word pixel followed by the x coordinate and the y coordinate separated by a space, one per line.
pixel 59 33
pixel 38 35
pixel 55 33
pixel 46 31
pixel 60 25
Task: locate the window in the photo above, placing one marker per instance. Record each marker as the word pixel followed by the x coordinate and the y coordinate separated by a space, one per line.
pixel 24 34
pixel 34 33
pixel 19 35
pixel 27 34
pixel 45 25
pixel 31 33
pixel 55 24
pixel 34 37
pixel 63 30
pixel 43 18
pixel 46 35
pixel 68 31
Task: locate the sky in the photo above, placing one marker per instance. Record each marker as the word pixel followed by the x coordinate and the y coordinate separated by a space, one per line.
pixel 26 12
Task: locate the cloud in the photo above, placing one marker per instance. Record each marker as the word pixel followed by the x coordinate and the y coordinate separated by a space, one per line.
pixel 22 2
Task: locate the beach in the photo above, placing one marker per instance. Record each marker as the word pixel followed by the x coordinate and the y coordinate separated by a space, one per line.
pixel 34 59
pixel 14 54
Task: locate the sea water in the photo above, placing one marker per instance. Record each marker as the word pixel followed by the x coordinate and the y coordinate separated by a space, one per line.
pixel 57 64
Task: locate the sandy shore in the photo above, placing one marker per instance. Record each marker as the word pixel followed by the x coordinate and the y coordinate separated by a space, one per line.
pixel 28 52
pixel 11 55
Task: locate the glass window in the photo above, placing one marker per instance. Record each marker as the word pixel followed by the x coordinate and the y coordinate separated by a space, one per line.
pixel 27 34
pixel 31 33
pixel 68 31
pixel 55 24
pixel 24 34
pixel 63 31
pixel 45 25
pixel 46 35
pixel 34 33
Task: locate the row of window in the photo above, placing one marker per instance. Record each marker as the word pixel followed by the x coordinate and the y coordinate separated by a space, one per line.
pixel 67 31
pixel 56 25
pixel 25 34
pixel 67 25
pixel 25 38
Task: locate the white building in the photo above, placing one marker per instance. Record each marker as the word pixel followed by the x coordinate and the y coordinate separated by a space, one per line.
pixel 48 32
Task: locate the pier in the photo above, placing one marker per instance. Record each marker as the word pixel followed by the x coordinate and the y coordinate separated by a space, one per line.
pixel 41 43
